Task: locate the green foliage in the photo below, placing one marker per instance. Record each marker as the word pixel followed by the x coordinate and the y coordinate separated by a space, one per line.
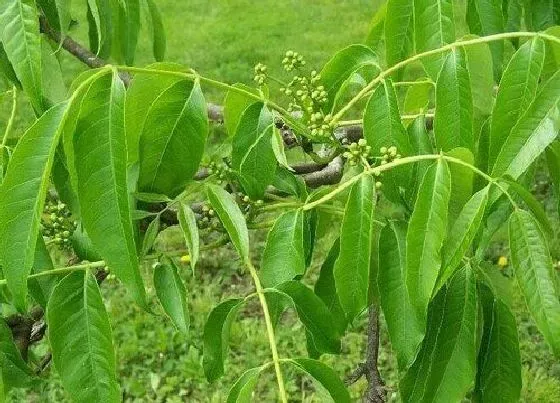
pixel 416 206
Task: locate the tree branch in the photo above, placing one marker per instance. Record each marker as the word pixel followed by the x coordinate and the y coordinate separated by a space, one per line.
pixel 376 392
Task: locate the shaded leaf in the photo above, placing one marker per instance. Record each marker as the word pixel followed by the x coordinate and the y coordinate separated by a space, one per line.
pixel 40 288
pixel 446 364
pixel 187 221
pixel 172 294
pixel 481 77
pixel 425 236
pixel 461 181
pixel 216 336
pixel 405 331
pixel 499 362
pixel 376 27
pixel 314 315
pixel 84 358
pixel 325 376
pixel 462 234
pixel 14 372
pixel 150 236
pixel 533 269
pixel 158 31
pixel 252 155
pixel 232 218
pixel 242 389
pixel 325 288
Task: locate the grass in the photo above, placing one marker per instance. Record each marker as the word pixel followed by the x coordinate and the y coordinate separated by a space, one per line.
pixel 224 39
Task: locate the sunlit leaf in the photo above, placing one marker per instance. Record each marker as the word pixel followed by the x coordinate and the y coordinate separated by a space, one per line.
pixel 242 389
pixel 398 30
pixel 284 255
pixel 453 121
pixel 173 139
pixel 515 93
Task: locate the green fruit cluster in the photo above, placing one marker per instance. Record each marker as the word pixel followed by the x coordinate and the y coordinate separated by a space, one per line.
pixel 57 223
pixel 292 60
pixel 220 170
pixel 357 153
pixel 260 73
pixel 207 219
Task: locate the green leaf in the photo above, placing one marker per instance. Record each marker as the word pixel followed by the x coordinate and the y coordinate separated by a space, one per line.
pixel 534 271
pixel 453 121
pixel 150 236
pixel 172 294
pixel 158 31
pixel 242 389
pixel 232 218
pixel 342 66
pixel 22 198
pixel 100 26
pixel 144 91
pixel 499 363
pixel 14 372
pixel 54 89
pixel 81 243
pixel 216 336
pixel 417 97
pixel 252 155
pixel 461 181
pixel 57 13
pixel 425 236
pixel 532 204
pixel 405 331
pixel 286 182
pixel 234 106
pixel 20 37
pixel 539 15
pixel 398 30
pixel 376 27
pixel 553 162
pixel 173 139
pixel 481 77
pixel 152 197
pixel 484 17
pixel 325 376
pixel 462 234
pixel 535 130
pixel 422 144
pixel 325 288
pixel 187 222
pixel 314 315
pixel 101 170
pixel 446 364
pixel 434 27
pixel 84 357
pixel 130 27
pixel 516 92
pixel 351 270
pixel 383 128
pixel 284 256
pixel 40 288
